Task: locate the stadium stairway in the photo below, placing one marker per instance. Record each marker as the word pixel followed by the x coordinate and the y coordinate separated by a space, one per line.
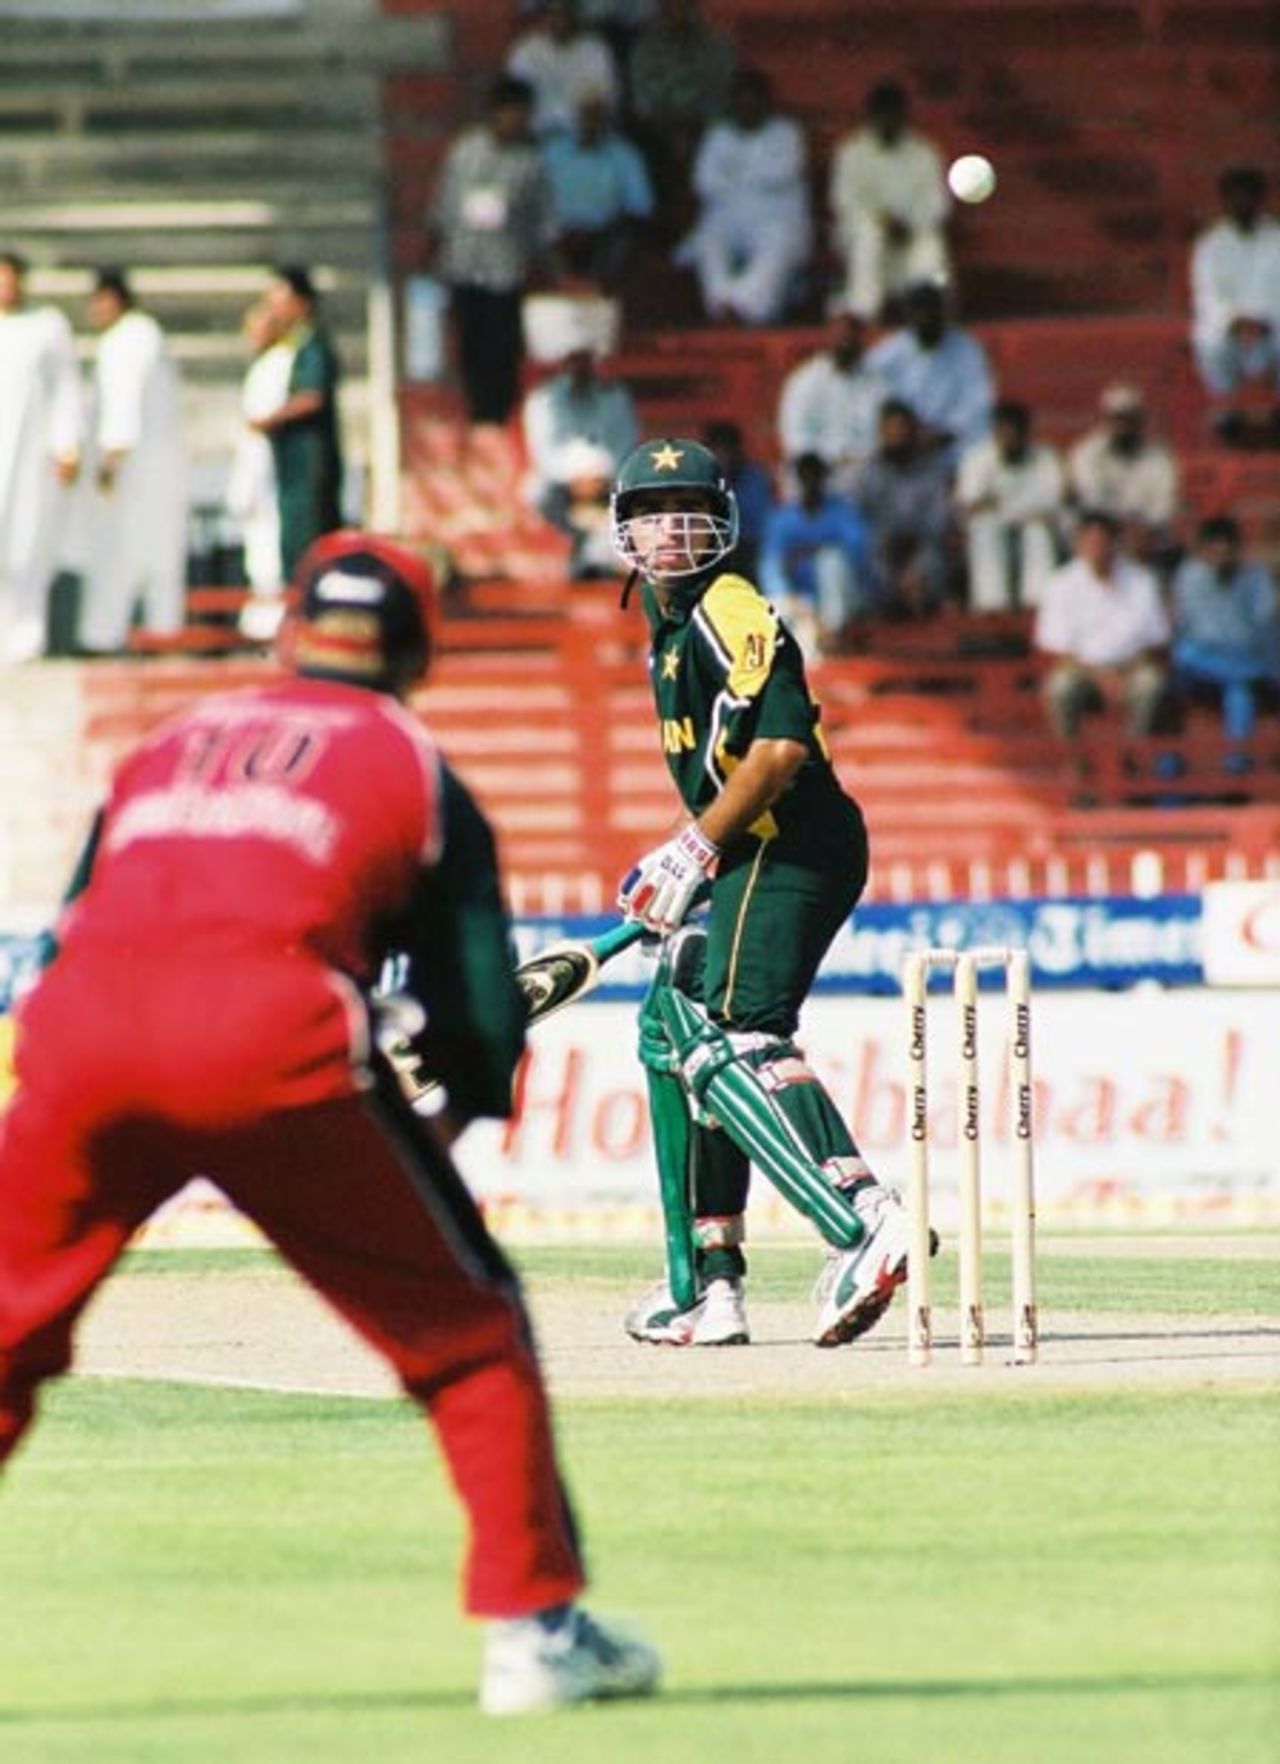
pixel 197 154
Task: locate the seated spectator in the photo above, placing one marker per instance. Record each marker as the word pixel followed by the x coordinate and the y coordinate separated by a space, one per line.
pixel 815 562
pixel 563 64
pixel 600 193
pixel 1103 624
pixel 1226 626
pixel 1010 490
pixel 888 199
pixel 1119 468
pixel 937 368
pixel 587 472
pixel 903 493
pixel 830 402
pixel 753 487
pixel 679 73
pixel 1235 302
pixel 574 407
pixel 754 231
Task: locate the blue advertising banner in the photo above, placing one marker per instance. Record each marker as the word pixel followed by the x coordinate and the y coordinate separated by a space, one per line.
pixel 1087 941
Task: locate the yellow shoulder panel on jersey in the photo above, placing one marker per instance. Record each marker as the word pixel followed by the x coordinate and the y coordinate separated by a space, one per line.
pixel 744 628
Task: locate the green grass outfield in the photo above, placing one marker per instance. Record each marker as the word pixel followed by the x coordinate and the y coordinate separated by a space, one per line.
pixel 902 1576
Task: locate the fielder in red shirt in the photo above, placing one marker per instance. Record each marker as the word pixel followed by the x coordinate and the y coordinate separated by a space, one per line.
pixel 208 1013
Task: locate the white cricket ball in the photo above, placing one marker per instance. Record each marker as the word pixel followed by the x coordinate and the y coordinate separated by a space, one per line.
pixel 972 177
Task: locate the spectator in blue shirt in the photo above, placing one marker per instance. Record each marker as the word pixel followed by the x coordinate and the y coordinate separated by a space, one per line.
pixel 939 370
pixel 1226 628
pixel 815 564
pixel 753 487
pixel 600 193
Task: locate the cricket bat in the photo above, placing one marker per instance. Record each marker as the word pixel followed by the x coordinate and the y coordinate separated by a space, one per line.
pixel 557 976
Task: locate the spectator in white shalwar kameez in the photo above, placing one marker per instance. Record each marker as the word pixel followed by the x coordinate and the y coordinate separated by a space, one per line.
pixel 138 519
pixel 888 199
pixel 754 232
pixel 830 404
pixel 252 496
pixel 939 370
pixel 1235 288
pixel 41 425
pixel 564 65
pixel 1011 491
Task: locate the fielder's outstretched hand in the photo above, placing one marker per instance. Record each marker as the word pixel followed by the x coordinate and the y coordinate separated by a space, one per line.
pixel 661 888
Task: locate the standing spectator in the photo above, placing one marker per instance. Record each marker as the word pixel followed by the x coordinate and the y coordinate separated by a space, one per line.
pixel 244 839
pixel 493 225
pixel 574 410
pixel 815 563
pixel 754 232
pixel 41 432
pixel 600 193
pixel 830 402
pixel 1010 490
pixel 937 368
pixel 888 199
pixel 137 554
pixel 1235 298
pixel 563 64
pixel 752 487
pixel 1103 625
pixel 1119 468
pixel 1226 627
pixel 903 493
pixel 678 75
pixel 303 430
pixel 253 496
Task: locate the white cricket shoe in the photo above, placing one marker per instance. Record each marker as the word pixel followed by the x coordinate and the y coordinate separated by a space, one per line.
pixel 717 1319
pixel 533 1664
pixel 856 1286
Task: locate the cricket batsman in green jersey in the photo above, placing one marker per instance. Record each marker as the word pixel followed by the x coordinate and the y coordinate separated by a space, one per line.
pixel 779 851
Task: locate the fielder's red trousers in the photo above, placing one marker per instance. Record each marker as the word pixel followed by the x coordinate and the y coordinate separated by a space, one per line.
pixel 115 1112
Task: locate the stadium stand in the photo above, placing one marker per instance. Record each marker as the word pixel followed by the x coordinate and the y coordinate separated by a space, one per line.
pixel 1074 277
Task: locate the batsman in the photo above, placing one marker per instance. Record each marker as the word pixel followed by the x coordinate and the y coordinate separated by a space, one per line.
pixel 779 851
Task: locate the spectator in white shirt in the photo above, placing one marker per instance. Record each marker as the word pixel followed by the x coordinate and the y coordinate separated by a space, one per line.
pixel 939 369
pixel 888 199
pixel 41 439
pixel 754 232
pixel 1103 625
pixel 1010 490
pixel 1235 305
pixel 564 64
pixel 830 403
pixel 138 516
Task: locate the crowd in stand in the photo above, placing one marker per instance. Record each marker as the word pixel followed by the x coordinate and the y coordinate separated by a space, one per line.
pixel 903 479
pixel 94 482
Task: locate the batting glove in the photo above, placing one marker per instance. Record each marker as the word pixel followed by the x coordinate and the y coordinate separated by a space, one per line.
pixel 661 888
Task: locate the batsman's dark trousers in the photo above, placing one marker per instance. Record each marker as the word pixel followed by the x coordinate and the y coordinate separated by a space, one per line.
pixel 116 1111
pixel 773 916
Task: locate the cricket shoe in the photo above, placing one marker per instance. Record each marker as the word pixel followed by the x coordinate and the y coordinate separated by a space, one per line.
pixel 560 1657
pixel 717 1319
pixel 856 1286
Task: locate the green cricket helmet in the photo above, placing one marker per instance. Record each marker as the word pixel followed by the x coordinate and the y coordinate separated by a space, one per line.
pixel 661 540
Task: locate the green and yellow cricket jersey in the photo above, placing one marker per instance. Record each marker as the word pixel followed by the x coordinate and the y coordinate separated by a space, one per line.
pixel 726 672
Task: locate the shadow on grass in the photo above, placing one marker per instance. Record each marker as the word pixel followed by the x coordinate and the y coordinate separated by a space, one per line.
pixel 814 1690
